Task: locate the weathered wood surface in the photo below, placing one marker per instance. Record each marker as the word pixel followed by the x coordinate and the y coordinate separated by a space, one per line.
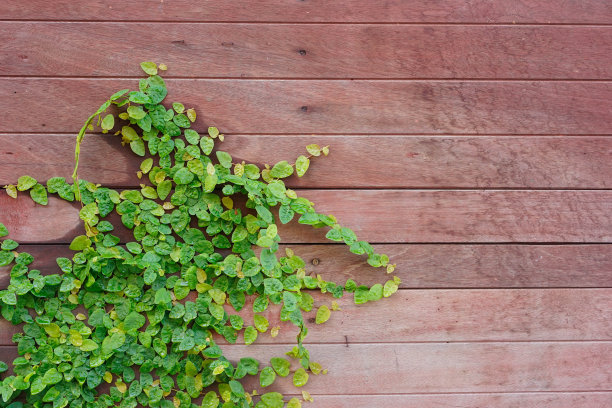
pixel 388 216
pixel 307 50
pixel 394 11
pixel 445 315
pixel 551 162
pixel 443 367
pixel 506 400
pixel 331 106
pixel 506 295
pixel 422 266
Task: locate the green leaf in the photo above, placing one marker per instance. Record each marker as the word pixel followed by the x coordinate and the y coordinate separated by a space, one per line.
pixel 281 169
pixel 183 176
pixel 323 314
pixel 191 114
pixel 146 165
pixel 265 242
pixel 118 94
pixel 281 366
pixel 3 230
pixel 39 194
pixel 210 400
pixel 277 188
pixel 301 165
pixel 25 183
pixel 272 286
pixel 134 320
pixel 37 385
pixel 376 292
pixel 178 107
pixel 261 323
pixel 361 295
pixel 314 149
pixel 129 133
pixel 193 137
pixel 163 189
pixel 265 214
pixel 207 144
pixel 268 259
pixel 272 400
pixel 80 242
pixel 213 132
pixel 162 296
pixel 111 343
pixel 300 377
pixel 294 403
pixel 136 112
pixel 88 345
pixel 389 288
pixel 181 121
pixel 250 335
pixel 89 213
pixel 225 159
pixel 267 377
pixel 138 147
pixel 149 67
pixel 285 213
pixel 52 376
pixel 108 122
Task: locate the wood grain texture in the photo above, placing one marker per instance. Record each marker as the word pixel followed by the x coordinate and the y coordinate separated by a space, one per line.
pixel 410 161
pixel 312 51
pixel 342 106
pixel 443 315
pixel 411 216
pixel 497 11
pixel 509 400
pixel 423 266
pixel 441 367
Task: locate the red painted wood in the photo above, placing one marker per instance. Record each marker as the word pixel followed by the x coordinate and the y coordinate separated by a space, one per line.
pixel 443 315
pixel 510 400
pixel 435 265
pixel 389 216
pixel 557 350
pixel 496 11
pixel 295 106
pixel 410 161
pixel 315 51
pixel 441 367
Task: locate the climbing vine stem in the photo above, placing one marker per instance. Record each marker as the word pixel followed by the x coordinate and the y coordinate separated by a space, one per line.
pixel 141 312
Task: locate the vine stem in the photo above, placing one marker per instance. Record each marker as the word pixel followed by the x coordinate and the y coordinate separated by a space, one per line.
pixel 77 154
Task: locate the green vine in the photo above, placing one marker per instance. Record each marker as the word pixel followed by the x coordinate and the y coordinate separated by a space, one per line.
pixel 143 316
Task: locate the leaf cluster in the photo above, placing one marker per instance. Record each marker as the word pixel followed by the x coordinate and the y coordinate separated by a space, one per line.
pixel 144 316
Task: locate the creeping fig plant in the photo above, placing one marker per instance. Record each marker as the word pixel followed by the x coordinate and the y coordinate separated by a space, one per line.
pixel 143 315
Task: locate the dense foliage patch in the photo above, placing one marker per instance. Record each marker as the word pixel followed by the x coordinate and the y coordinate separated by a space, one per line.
pixel 142 316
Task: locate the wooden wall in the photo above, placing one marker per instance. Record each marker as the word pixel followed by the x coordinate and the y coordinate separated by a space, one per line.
pixel 473 137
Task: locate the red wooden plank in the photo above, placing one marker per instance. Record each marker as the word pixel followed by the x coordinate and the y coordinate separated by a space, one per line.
pixel 435 265
pixel 439 367
pixel 444 315
pixel 389 216
pixel 510 400
pixel 410 161
pixel 497 11
pixel 316 51
pixel 298 106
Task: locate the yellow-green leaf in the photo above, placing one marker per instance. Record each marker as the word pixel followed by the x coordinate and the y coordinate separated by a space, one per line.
pixel 149 67
pixel 301 165
pixel 323 314
pixel 300 377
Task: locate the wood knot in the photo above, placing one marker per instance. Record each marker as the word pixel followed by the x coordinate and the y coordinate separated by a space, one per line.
pixel 315 261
